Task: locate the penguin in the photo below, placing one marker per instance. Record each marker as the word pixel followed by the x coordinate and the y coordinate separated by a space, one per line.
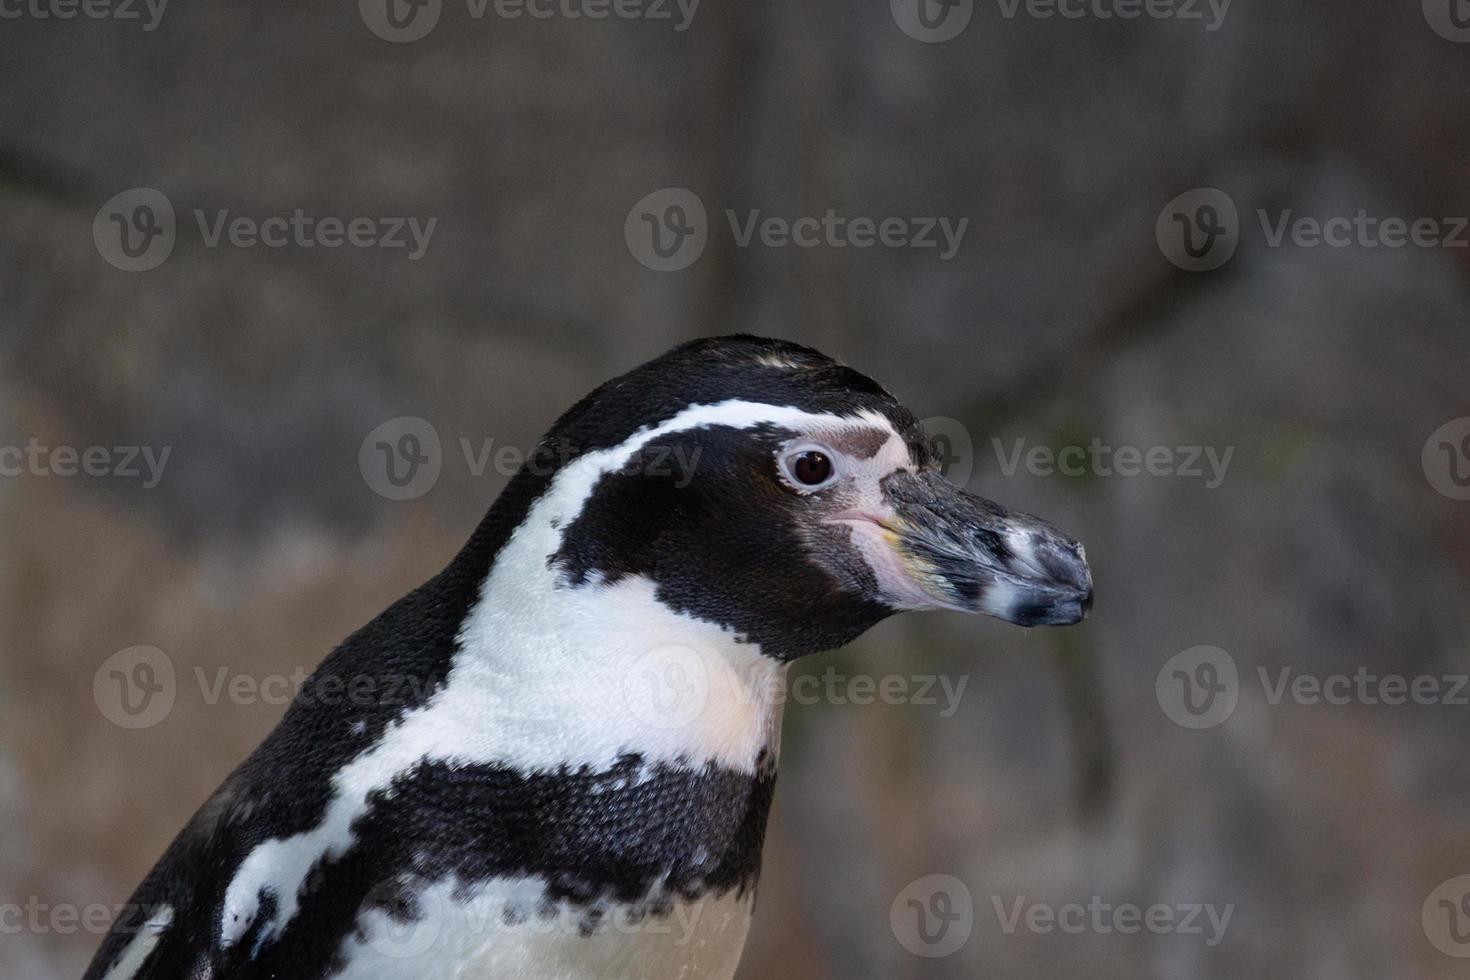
pixel 555 759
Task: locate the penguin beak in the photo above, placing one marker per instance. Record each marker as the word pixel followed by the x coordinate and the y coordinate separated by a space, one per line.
pixel 935 546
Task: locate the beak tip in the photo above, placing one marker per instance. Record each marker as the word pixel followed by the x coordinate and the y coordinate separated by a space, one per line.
pixel 1053 611
pixel 1066 587
pixel 1063 597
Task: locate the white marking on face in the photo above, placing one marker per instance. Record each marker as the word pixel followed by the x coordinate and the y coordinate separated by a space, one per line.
pixel 546 676
pixel 875 545
pixel 855 476
pixel 866 509
pixel 999 598
pixel 458 937
pixel 1023 546
pixel 143 941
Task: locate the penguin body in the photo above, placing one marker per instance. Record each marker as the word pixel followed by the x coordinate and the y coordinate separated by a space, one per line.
pixel 492 778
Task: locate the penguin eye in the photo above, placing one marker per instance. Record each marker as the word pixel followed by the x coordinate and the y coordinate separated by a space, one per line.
pixel 809 468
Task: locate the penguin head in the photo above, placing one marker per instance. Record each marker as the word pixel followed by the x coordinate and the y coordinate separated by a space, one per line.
pixel 762 486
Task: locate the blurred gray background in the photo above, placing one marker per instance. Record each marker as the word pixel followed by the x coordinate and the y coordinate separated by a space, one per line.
pixel 1332 546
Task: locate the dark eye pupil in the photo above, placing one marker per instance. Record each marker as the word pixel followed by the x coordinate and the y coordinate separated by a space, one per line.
pixel 812 468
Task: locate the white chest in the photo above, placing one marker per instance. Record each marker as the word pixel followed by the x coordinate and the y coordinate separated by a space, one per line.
pixel 497 932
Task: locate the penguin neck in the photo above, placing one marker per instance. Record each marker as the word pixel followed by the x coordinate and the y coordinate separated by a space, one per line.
pixel 586 676
pixel 570 676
